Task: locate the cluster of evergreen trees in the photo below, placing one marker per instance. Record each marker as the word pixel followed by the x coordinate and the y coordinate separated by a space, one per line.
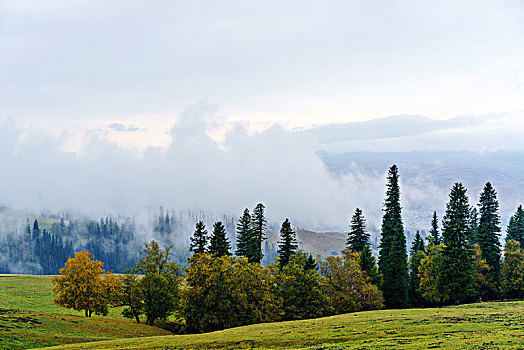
pixel 45 250
pixel 462 264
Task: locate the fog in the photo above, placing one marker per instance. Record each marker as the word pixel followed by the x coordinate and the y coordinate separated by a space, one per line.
pixel 276 167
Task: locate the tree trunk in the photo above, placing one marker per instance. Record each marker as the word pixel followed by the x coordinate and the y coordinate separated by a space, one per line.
pixel 86 313
pixel 137 318
pixel 150 321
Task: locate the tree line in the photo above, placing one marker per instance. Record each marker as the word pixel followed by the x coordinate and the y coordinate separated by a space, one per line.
pixel 461 261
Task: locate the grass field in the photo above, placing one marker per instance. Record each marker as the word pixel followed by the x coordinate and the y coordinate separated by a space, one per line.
pixel 476 326
pixel 29 319
pixel 27 292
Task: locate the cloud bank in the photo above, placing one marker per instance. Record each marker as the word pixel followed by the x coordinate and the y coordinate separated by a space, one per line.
pixel 276 167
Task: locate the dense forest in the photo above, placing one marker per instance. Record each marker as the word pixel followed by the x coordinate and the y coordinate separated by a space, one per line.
pixel 42 245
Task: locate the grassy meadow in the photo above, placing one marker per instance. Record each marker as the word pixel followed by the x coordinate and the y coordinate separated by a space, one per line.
pixel 477 326
pixel 29 319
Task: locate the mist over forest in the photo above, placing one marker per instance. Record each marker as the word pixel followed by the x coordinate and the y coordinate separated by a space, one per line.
pixel 301 174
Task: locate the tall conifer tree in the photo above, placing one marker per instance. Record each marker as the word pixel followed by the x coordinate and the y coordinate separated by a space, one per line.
pixel 434 234
pixel 417 244
pixel 488 233
pixel 287 245
pixel 244 234
pixel 258 227
pixel 473 225
pixel 515 230
pixel 368 264
pixel 218 243
pixel 393 254
pixel 357 236
pixel 199 239
pixel 455 281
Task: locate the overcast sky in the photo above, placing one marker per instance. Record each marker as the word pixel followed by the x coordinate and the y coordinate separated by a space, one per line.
pixel 81 79
pixel 296 62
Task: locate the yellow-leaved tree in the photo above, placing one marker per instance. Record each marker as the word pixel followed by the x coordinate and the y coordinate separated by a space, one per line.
pixel 83 285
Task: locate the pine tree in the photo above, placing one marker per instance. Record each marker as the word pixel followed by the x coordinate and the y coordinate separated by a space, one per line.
pixel 417 244
pixel 244 234
pixel 258 227
pixel 455 282
pixel 287 245
pixel 488 233
pixel 434 234
pixel 515 230
pixel 218 243
pixel 199 239
pixel 392 254
pixel 357 236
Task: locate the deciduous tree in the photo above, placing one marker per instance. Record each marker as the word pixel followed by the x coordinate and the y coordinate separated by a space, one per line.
pixel 346 286
pixel 83 285
pixel 226 292
pixel 513 270
pixel 300 290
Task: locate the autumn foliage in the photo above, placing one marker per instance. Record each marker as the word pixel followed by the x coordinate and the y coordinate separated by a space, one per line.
pixel 83 285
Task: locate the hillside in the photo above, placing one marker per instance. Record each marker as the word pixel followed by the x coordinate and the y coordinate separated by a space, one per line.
pixel 478 326
pixel 29 319
pixel 316 243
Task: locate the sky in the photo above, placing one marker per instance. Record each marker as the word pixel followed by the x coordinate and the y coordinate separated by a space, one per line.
pixel 147 89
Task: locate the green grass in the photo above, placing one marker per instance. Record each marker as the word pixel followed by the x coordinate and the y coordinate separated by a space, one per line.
pixel 28 292
pixel 478 326
pixel 29 319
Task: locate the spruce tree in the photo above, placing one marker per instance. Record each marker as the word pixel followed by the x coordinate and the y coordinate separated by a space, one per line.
pixel 515 230
pixel 473 225
pixel 417 253
pixel 434 234
pixel 488 233
pixel 287 245
pixel 199 239
pixel 36 229
pixel 218 243
pixel 417 244
pixel 258 227
pixel 368 264
pixel 455 280
pixel 310 263
pixel 244 234
pixel 392 254
pixel 357 236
